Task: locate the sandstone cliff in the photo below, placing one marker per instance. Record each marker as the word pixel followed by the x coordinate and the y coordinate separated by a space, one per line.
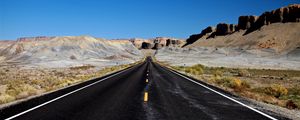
pixel 251 23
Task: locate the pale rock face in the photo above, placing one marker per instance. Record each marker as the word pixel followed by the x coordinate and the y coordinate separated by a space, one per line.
pixel 157 43
pixel 68 48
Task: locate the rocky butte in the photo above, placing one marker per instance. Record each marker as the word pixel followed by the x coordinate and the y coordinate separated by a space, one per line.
pixel 251 23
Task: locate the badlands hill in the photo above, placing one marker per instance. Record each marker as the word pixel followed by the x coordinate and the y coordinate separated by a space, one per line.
pixel 5 43
pixel 276 31
pixel 270 40
pixel 67 51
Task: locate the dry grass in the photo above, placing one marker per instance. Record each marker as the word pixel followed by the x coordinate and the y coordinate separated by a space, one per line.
pixel 234 83
pixel 278 87
pixel 274 90
pixel 83 67
pixel 16 83
pixel 195 70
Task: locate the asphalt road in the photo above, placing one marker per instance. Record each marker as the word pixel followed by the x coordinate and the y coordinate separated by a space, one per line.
pixel 121 96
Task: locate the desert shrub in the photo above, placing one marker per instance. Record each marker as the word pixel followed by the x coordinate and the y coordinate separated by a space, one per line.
pixel 294 90
pixel 234 83
pixel 5 98
pixel 31 82
pixel 200 70
pixel 84 67
pixel 197 69
pixel 217 73
pixel 293 97
pixel 276 90
pixel 180 68
pixel 214 79
pixel 223 81
pixel 243 73
pixel 73 57
pixel 197 72
pixel 290 104
pixel 188 70
pixel 199 66
pixel 245 84
pixel 21 90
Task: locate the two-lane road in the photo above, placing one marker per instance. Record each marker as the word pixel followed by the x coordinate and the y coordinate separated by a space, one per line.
pixel 120 96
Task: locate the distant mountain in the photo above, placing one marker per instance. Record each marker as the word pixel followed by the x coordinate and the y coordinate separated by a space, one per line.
pixel 67 49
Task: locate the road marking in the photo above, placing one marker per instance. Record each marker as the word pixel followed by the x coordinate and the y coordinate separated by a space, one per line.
pixel 251 108
pixel 147 81
pixel 36 107
pixel 146 97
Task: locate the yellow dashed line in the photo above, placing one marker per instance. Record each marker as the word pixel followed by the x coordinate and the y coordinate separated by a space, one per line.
pixel 146 97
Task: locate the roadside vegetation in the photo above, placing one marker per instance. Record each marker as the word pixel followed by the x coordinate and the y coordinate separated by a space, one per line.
pixel 17 83
pixel 278 87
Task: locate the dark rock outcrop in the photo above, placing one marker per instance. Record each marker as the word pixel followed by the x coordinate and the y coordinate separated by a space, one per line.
pixel 290 13
pixel 195 37
pixel 170 42
pixel 192 39
pixel 207 30
pixel 157 46
pixel 146 45
pixel 224 29
pixel 245 22
pixel 157 43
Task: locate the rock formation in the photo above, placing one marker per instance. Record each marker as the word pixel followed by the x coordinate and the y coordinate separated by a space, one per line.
pixel 245 22
pixel 290 13
pixel 173 42
pixel 67 48
pixel 251 23
pixel 38 38
pixel 157 46
pixel 146 45
pixel 158 43
pixel 195 37
pixel 224 29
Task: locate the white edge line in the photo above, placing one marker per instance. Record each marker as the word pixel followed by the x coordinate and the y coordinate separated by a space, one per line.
pixel 36 107
pixel 264 114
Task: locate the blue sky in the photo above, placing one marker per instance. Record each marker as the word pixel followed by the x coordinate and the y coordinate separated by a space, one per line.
pixel 122 18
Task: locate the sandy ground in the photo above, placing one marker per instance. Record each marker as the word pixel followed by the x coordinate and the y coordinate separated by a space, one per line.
pixel 227 57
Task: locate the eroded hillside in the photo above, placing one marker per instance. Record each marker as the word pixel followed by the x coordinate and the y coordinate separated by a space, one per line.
pixel 68 51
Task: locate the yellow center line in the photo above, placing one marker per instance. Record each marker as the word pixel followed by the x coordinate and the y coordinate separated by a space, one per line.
pixel 146 97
